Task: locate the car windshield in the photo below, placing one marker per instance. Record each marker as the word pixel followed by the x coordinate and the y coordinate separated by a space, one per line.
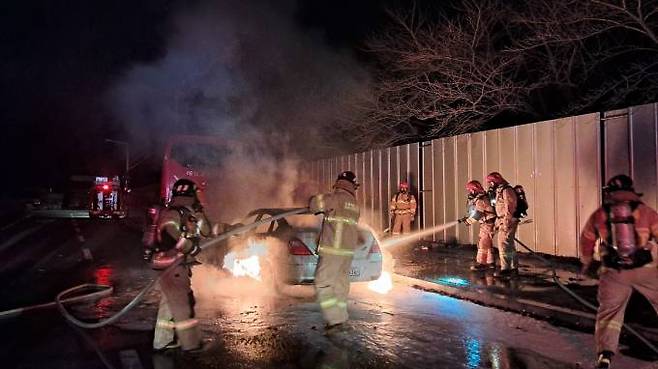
pixel 199 155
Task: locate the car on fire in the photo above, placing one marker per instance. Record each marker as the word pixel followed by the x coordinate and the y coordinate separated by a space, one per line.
pixel 292 247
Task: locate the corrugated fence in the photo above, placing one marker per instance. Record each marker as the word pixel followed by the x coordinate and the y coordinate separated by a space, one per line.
pixel 561 163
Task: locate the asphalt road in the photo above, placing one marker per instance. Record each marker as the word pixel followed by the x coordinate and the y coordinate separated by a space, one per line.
pixel 246 323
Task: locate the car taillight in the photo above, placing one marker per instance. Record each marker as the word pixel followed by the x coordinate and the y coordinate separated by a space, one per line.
pixel 297 247
pixel 375 249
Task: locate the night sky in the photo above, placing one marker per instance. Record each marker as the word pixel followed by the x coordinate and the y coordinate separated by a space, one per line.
pixel 59 59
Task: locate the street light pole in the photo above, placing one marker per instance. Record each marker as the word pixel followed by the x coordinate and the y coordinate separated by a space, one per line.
pixel 123 143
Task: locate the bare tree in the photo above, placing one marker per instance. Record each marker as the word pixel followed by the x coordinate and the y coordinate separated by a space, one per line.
pixel 603 51
pixel 445 76
pixel 442 75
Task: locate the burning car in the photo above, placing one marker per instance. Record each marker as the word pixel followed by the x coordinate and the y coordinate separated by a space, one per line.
pixel 287 250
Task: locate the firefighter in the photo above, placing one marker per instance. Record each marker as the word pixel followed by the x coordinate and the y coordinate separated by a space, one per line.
pixel 503 198
pixel 481 211
pixel 403 210
pixel 338 239
pixel 181 225
pixel 624 225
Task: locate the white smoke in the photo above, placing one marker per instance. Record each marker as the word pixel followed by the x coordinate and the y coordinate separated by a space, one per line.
pixel 235 66
pixel 245 71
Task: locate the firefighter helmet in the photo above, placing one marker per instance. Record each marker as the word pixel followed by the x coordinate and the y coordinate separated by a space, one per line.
pixel 619 182
pixel 496 179
pixel 475 187
pixel 404 185
pixel 348 176
pixel 184 187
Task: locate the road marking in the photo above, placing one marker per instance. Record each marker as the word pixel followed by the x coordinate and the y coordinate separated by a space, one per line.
pixel 130 359
pixel 19 236
pixel 14 223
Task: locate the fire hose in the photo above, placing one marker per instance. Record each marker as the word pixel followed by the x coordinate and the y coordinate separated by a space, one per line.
pixel 581 300
pixel 105 290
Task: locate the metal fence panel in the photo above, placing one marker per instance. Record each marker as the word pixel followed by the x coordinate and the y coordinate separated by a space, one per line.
pixel 403 163
pixel 414 177
pixel 368 187
pixel 525 169
pixel 642 123
pixel 359 160
pixel 588 168
pixel 376 190
pixel 394 168
pixel 545 185
pixel 477 158
pixel 491 147
pixel 449 180
pixel 617 157
pixel 385 180
pixel 565 187
pixel 476 169
pixel 426 194
pixel 438 187
pixel 561 164
pixel 508 153
pixel 325 175
pixel 462 175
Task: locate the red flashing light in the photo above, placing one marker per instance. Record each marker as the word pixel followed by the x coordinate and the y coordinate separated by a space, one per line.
pixel 106 187
pixel 103 275
pixel 297 247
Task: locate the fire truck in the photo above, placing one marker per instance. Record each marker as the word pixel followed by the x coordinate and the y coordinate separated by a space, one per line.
pixel 107 199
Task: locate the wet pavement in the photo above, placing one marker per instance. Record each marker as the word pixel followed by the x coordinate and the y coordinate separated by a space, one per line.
pixel 249 325
pixel 534 292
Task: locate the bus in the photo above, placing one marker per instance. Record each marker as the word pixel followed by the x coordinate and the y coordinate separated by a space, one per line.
pixel 192 157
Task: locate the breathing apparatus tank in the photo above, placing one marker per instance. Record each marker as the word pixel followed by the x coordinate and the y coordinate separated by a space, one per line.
pixel 622 225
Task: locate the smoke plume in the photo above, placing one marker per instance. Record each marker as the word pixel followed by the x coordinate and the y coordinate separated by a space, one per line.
pixel 243 70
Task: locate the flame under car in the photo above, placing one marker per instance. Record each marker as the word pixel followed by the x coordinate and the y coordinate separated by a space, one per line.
pixel 291 245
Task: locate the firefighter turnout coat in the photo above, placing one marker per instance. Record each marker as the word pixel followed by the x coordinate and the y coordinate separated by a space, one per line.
pixel 403 210
pixel 337 241
pixel 505 204
pixel 617 284
pixel 179 223
pixel 481 211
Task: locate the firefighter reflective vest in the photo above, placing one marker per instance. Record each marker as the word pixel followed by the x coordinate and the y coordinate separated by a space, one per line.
pixel 339 233
pixel 403 203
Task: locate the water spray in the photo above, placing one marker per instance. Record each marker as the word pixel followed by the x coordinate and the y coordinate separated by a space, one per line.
pixel 414 235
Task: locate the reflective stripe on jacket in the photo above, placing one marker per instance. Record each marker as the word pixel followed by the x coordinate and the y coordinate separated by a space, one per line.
pixel 339 234
pixel 403 203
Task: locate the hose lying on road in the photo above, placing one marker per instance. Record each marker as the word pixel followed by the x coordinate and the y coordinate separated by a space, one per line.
pixel 586 303
pixel 62 298
pixel 102 291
